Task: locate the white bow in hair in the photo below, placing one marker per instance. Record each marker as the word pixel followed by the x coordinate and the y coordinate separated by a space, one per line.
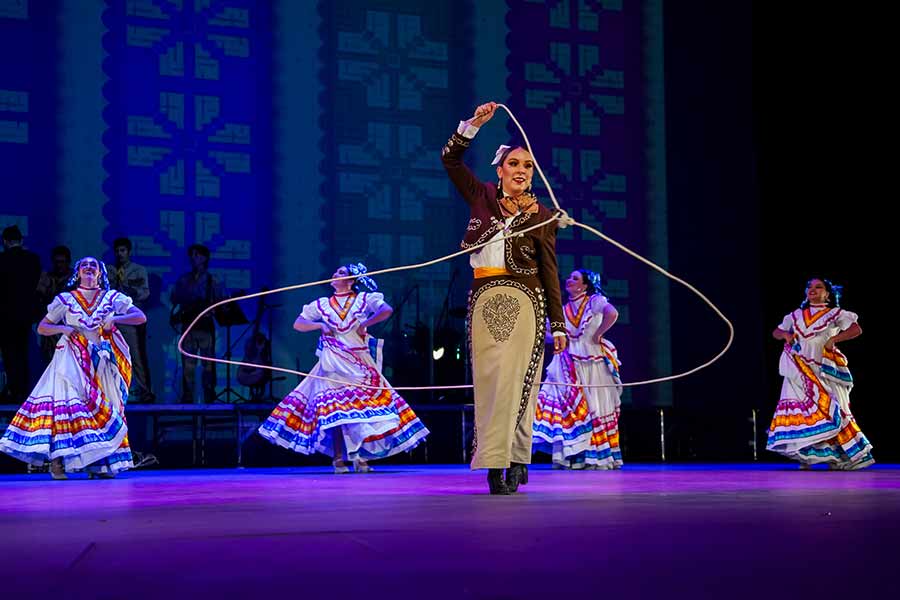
pixel 503 148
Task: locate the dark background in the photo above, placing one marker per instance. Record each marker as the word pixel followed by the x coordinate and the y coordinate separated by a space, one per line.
pixel 777 122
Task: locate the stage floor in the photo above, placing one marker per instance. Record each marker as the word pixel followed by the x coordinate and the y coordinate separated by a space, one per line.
pixel 723 531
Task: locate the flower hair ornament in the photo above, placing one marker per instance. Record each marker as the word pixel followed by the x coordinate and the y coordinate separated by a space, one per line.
pixel 104 276
pixel 838 291
pixel 360 270
pixel 594 278
pixel 502 151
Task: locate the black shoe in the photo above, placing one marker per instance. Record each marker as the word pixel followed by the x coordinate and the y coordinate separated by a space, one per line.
pixel 516 475
pixel 496 483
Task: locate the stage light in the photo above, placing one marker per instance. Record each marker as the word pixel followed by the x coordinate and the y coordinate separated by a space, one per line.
pixel 437 353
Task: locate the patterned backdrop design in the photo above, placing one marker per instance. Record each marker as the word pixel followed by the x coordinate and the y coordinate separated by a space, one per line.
pixel 28 144
pixel 189 139
pixel 395 74
pixel 188 130
pixel 572 85
pixel 28 97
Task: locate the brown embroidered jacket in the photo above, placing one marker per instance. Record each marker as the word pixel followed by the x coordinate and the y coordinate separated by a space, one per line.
pixel 533 254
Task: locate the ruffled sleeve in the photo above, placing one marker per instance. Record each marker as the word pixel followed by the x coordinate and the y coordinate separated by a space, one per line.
pixel 787 323
pixel 845 319
pixel 374 302
pixel 311 312
pixel 56 310
pixel 598 303
pixel 121 303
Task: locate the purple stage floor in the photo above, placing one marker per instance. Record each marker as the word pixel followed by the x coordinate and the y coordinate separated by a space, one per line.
pixel 724 531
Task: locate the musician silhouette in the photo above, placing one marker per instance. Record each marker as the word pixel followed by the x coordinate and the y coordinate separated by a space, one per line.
pixel 194 292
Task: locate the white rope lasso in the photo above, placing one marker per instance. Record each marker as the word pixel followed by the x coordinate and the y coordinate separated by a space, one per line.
pixel 563 219
pixel 648 262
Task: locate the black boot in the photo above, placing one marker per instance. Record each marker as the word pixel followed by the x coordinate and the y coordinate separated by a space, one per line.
pixel 516 475
pixel 496 483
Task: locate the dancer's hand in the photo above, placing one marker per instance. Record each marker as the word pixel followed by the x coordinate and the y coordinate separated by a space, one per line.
pixel 109 323
pixel 598 338
pixel 829 345
pixel 559 343
pixel 363 331
pixel 483 114
pixel 326 330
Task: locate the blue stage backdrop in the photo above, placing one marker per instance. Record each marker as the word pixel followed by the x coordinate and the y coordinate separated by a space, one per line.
pixel 291 137
pixel 576 83
pixel 189 137
pixel 28 119
pixel 393 72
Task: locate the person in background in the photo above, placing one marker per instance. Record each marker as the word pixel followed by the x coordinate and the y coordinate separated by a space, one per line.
pixel 51 284
pixel 579 426
pixel 20 271
pixel 131 279
pixel 350 423
pixel 194 292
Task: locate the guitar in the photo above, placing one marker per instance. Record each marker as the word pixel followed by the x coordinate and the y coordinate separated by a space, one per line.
pixel 257 350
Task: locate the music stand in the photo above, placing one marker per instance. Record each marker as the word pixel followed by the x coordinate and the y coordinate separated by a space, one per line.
pixel 272 378
pixel 227 316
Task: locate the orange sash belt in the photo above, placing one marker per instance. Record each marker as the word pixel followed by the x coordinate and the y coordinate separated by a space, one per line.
pixel 490 272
